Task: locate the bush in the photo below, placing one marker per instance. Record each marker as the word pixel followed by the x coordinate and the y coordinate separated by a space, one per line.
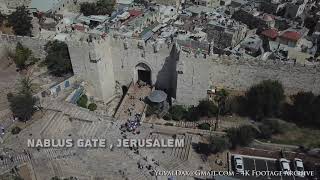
pixel 207 108
pixel 92 107
pixel 219 144
pixel 204 126
pixel 242 136
pixel 264 99
pixel 304 109
pixel 150 110
pixel 177 112
pixel 58 59
pixel 167 117
pixel 15 130
pixel 270 127
pixel 82 101
pixel 192 114
pixel 168 124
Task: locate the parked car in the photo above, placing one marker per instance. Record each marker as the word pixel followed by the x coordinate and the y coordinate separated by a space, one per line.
pixel 298 166
pixel 285 165
pixel 238 164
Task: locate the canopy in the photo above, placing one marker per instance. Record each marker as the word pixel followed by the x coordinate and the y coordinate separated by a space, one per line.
pixel 157 96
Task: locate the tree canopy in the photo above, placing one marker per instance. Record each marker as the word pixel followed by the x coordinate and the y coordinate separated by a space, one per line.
pixel 23 103
pixel 178 112
pixel 20 20
pixel 218 144
pixel 21 56
pixel 58 59
pixel 264 99
pixel 242 136
pixel 304 109
pixel 2 18
pixel 102 7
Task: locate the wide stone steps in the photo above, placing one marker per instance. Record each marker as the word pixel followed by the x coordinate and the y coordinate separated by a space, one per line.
pixel 49 117
pixel 7 163
pixel 53 153
pixel 57 168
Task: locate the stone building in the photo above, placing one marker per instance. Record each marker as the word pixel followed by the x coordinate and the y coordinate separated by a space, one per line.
pixel 225 33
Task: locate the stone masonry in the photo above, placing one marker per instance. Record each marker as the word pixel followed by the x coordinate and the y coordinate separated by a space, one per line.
pixel 107 64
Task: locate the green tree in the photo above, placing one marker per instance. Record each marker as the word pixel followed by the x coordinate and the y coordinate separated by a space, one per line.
pixel 178 112
pixel 218 144
pixel 22 105
pixel 242 136
pixel 220 98
pixel 22 55
pixel 269 127
pixel 2 18
pixel 102 7
pixel 204 126
pixel 88 8
pixel 304 109
pixel 264 99
pixel 15 130
pixel 20 20
pixel 58 59
pixel 83 101
pixel 26 86
pixel 207 108
pixel 105 6
pixel 192 114
pixel 92 106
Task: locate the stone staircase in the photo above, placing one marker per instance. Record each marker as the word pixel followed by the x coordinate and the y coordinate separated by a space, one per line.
pixel 177 155
pixel 8 163
pixel 53 153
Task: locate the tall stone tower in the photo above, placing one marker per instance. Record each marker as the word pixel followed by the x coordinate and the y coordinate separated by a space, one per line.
pixel 92 63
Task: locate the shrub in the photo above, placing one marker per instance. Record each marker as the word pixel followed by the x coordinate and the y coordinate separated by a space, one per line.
pixel 92 107
pixel 264 99
pixel 177 112
pixel 192 114
pixel 150 110
pixel 207 108
pixel 270 127
pixel 82 101
pixel 167 117
pixel 15 130
pixel 58 59
pixel 168 124
pixel 204 126
pixel 219 144
pixel 242 136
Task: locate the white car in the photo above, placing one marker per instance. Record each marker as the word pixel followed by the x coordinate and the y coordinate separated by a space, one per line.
pixel 238 164
pixel 285 165
pixel 298 165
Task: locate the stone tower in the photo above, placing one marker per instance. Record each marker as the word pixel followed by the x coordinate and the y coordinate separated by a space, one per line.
pixel 92 63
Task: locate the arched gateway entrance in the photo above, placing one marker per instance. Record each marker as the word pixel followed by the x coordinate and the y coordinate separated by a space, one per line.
pixel 143 73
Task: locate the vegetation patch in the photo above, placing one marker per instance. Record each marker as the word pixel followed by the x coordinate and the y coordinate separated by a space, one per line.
pixel 58 60
pixel 92 106
pixel 204 126
pixel 15 130
pixel 83 101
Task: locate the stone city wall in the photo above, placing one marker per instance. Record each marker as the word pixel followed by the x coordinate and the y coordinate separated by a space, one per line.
pixel 197 75
pixel 36 45
pixel 161 58
pixel 108 64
